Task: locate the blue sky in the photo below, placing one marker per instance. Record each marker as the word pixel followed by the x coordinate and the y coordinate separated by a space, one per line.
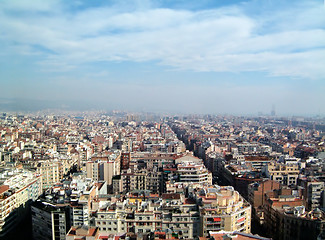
pixel 234 57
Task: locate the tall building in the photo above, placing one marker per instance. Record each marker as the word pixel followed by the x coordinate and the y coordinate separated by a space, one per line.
pixel 17 188
pixel 49 221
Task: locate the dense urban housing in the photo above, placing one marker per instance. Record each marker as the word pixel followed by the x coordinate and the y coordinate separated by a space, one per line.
pixel 130 176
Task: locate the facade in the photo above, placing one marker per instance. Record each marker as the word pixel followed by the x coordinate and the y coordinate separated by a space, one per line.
pixel 50 173
pixel 104 166
pixel 222 208
pixel 286 174
pixel 276 203
pixel 257 162
pixel 64 205
pixel 101 170
pixel 117 184
pixel 144 216
pixel 79 214
pixel 194 172
pixel 18 188
pixel 143 179
pixel 313 193
pixel 125 160
pixel 256 196
pixel 111 220
pixel 180 216
pixel 239 175
pixel 295 223
pixel 151 160
pixel 286 219
pixel 49 221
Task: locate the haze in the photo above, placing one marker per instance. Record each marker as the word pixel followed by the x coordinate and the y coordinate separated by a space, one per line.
pixel 236 57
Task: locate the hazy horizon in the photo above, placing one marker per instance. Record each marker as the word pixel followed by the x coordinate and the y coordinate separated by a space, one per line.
pixel 217 57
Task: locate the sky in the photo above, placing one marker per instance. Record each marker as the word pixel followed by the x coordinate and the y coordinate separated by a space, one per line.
pixel 207 56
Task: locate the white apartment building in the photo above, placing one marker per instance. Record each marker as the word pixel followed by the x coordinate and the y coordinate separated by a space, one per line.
pixel 194 172
pixel 17 187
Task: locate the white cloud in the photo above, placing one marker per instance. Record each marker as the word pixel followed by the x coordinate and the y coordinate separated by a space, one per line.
pixel 34 6
pixel 220 40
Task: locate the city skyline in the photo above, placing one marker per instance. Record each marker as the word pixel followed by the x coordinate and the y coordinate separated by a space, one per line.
pixel 234 57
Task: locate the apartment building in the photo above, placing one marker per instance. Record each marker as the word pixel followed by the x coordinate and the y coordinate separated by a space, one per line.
pixel 112 218
pixel 143 216
pixel 286 174
pixel 49 221
pixel 256 196
pixel 194 172
pixel 180 216
pixel 17 187
pixel 223 208
pixel 104 166
pixel 239 175
pixel 79 213
pixel 313 193
pixel 257 162
pixel 287 219
pixel 144 179
pixel 50 172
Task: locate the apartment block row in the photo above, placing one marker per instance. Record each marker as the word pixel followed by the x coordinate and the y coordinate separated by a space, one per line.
pixel 193 211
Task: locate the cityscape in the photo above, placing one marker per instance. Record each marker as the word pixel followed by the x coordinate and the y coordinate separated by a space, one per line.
pixel 160 119
pixel 122 175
